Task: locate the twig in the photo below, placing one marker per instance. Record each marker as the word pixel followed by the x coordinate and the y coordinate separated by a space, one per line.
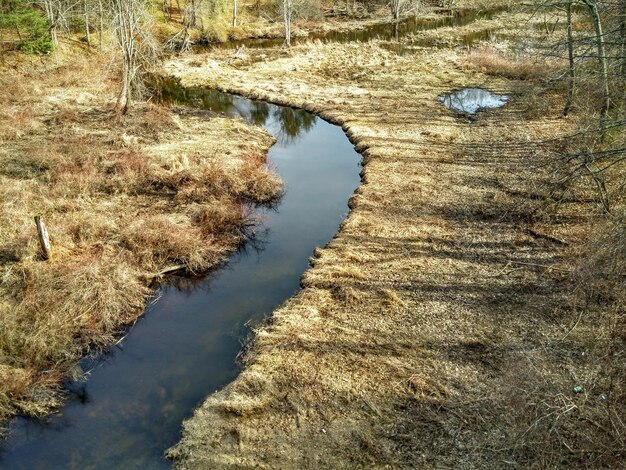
pixel 544 236
pixel 539 266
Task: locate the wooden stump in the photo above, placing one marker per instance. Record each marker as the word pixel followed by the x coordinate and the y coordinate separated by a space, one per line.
pixel 44 240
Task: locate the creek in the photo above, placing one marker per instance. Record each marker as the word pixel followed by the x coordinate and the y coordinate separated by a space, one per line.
pixel 130 409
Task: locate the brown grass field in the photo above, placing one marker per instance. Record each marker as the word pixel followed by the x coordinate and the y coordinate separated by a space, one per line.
pixel 467 315
pixel 455 321
pixel 123 198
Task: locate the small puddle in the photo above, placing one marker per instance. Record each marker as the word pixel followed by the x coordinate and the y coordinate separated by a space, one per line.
pixel 469 101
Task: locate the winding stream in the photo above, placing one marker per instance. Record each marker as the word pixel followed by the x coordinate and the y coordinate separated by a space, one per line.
pixel 384 31
pixel 130 409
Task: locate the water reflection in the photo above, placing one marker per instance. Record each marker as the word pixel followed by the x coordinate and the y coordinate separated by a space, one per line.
pixel 260 113
pixel 137 394
pixel 472 100
pixel 293 124
pixel 286 124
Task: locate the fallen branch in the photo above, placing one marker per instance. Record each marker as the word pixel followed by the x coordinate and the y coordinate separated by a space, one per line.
pixel 535 234
pixel 168 270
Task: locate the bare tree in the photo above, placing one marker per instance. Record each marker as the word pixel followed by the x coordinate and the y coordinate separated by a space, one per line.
pixel 287 13
pixel 86 19
pixel 402 7
pixel 602 59
pixel 101 20
pixel 181 41
pixel 571 71
pixel 136 47
pixel 53 10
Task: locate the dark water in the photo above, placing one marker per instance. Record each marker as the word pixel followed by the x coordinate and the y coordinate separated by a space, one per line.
pixel 130 409
pixel 467 40
pixel 472 100
pixel 384 31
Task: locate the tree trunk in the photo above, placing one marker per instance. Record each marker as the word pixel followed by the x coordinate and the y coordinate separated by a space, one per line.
pixel 287 21
pixel 52 20
pixel 101 13
pixel 126 28
pixel 86 12
pixel 622 32
pixel 602 61
pixel 570 54
pixel 123 99
pixel 395 11
pixel 234 13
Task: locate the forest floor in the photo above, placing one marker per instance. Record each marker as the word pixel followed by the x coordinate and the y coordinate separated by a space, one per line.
pixel 441 328
pixel 123 197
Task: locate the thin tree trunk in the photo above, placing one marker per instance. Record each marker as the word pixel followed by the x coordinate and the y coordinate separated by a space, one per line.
pixel 570 54
pixel 52 19
pixel 602 61
pixel 124 99
pixel 287 21
pixel 395 11
pixel 86 11
pixel 193 14
pixel 234 13
pixel 125 30
pixel 101 13
pixel 622 33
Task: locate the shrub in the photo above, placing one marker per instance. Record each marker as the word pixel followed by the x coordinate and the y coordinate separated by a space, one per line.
pixel 30 24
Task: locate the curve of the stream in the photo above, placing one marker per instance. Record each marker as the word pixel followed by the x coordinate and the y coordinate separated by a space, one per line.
pixel 130 409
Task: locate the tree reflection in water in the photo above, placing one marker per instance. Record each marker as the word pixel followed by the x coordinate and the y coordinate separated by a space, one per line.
pixel 260 113
pixel 472 100
pixel 294 123
pixel 287 124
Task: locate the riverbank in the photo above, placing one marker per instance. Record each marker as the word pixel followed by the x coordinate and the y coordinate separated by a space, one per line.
pixel 124 198
pixel 321 21
pixel 440 328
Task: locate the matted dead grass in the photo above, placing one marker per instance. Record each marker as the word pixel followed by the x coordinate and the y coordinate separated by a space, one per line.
pixel 495 62
pixel 439 329
pixel 124 198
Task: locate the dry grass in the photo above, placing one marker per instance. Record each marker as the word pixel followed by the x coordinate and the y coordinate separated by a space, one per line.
pixel 494 62
pixel 441 328
pixel 123 198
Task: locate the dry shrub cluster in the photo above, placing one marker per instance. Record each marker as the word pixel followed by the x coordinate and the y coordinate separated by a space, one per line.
pixel 494 62
pixel 123 199
pixel 569 411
